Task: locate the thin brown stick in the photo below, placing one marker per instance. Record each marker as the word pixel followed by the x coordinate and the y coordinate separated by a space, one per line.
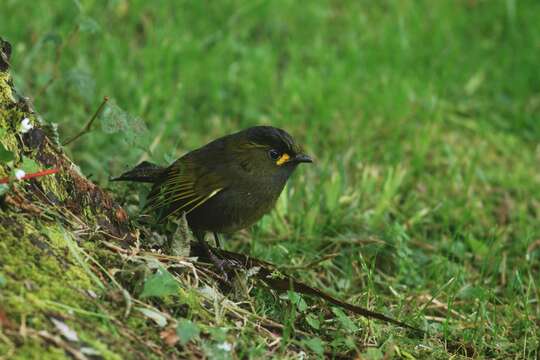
pixel 311 264
pixel 88 125
pixel 56 340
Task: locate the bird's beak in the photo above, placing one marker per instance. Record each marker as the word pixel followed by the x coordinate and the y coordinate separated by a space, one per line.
pixel 303 158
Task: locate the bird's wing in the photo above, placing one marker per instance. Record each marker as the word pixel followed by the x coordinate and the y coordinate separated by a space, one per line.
pixel 185 186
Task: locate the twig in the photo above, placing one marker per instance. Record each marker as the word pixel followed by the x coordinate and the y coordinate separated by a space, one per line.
pixel 88 125
pixel 32 175
pixel 276 280
pixel 152 146
pixel 56 340
pixel 311 264
pixel 10 347
pixel 535 244
pixel 115 248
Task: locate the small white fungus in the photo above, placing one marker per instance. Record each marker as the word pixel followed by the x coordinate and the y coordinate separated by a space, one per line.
pixel 19 174
pixel 225 346
pixel 26 125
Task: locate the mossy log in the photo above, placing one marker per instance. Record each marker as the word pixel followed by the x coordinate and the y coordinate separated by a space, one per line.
pixel 52 231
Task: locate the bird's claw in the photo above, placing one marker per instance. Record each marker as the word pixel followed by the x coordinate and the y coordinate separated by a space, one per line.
pixel 223 266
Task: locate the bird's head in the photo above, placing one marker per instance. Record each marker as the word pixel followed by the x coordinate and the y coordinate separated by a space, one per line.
pixel 269 151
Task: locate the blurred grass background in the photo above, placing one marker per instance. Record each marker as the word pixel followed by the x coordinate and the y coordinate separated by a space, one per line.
pixel 424 117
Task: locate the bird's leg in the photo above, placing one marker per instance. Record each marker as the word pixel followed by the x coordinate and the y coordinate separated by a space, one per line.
pixel 220 264
pixel 229 264
pixel 216 239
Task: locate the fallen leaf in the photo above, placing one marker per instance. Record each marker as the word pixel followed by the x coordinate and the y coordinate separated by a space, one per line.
pixel 120 215
pixel 160 284
pixel 169 336
pixel 65 330
pixel 90 351
pixel 187 330
pixel 5 322
pixel 158 317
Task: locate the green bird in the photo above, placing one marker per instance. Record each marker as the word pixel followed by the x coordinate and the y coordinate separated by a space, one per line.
pixel 224 186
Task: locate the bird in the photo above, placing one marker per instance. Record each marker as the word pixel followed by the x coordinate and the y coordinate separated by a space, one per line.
pixel 224 186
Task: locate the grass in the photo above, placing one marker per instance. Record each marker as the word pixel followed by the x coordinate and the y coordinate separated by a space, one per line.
pixel 423 117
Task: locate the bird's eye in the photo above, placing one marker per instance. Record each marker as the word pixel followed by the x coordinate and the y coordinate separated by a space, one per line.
pixel 274 154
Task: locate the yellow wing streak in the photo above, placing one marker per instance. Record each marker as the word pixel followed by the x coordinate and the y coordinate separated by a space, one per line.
pixel 178 182
pixel 173 192
pixel 205 198
pixel 159 200
pixel 181 190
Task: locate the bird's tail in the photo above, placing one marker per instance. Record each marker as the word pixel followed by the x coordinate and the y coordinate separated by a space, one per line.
pixel 144 172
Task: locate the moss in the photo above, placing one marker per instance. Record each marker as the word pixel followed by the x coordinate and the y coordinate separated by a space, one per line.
pixel 102 348
pixel 6 95
pixel 35 349
pixel 43 278
pixel 36 274
pixel 47 273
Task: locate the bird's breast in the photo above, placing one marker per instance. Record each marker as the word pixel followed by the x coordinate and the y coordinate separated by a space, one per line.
pixel 236 207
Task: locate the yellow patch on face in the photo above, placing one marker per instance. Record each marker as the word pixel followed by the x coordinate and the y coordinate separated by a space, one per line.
pixel 283 159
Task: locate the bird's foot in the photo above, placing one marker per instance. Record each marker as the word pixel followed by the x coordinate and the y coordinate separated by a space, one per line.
pixel 225 267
